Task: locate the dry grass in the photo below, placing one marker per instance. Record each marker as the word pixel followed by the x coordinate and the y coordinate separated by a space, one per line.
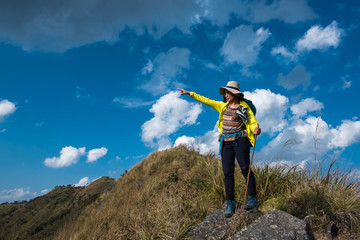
pixel 171 190
pixel 161 198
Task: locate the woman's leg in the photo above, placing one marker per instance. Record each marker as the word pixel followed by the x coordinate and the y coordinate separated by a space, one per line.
pixel 242 153
pixel 228 158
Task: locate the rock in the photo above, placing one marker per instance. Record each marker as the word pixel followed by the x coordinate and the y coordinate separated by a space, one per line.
pixel 276 224
pixel 216 226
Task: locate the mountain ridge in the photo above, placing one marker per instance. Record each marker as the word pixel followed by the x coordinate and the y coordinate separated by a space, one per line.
pixel 171 191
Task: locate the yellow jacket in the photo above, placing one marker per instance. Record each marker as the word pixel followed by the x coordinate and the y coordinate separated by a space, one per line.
pixel 220 106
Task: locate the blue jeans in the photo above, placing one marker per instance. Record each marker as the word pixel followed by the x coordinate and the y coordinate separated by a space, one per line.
pixel 240 150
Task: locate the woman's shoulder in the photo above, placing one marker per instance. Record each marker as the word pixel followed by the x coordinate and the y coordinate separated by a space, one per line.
pixel 244 104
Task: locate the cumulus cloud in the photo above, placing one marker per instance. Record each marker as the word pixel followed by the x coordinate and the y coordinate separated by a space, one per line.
pixel 345 135
pixel 167 69
pixel 207 143
pixel 242 45
pixel 95 154
pixel 16 194
pixel 320 38
pixel 298 76
pixel 68 156
pixel 83 182
pixel 305 106
pixel 316 38
pixel 6 108
pixel 304 133
pixel 60 25
pixel 170 114
pixel 270 109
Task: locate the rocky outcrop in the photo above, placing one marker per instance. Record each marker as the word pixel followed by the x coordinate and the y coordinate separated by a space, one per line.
pixel 216 226
pixel 275 224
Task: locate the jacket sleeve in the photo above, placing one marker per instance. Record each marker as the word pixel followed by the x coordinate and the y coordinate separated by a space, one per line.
pixel 217 105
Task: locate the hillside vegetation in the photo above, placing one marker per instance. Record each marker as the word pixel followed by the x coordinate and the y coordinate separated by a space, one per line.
pixel 41 217
pixel 172 190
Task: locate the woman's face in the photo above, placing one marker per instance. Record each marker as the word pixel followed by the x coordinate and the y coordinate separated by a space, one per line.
pixel 229 96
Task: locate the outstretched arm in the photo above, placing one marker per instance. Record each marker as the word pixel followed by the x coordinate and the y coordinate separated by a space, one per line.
pixel 217 105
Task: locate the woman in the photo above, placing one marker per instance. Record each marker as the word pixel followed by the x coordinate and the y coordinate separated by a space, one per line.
pixel 238 126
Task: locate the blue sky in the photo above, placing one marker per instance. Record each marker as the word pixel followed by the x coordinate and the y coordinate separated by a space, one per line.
pixel 89 89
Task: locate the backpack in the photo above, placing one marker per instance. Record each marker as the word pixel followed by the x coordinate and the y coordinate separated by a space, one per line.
pixel 251 105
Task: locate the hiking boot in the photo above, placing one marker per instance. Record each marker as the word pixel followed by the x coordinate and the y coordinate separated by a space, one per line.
pixel 251 203
pixel 230 208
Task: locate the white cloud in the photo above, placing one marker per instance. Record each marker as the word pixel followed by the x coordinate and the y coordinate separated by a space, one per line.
pixel 167 69
pixel 148 68
pixel 270 109
pixel 130 102
pixel 68 156
pixel 345 135
pixel 170 114
pixel 242 45
pixel 346 84
pixel 95 154
pixel 83 182
pixel 44 191
pixel 316 38
pixel 320 38
pixel 304 133
pixel 284 52
pixel 3 130
pixel 6 108
pixel 207 143
pixel 17 194
pixel 298 76
pixel 305 106
pixel 355 173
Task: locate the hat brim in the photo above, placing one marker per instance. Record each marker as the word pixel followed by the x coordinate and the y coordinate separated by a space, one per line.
pixel 233 91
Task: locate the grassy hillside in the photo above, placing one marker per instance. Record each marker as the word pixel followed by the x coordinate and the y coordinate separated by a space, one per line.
pixel 41 217
pixel 171 190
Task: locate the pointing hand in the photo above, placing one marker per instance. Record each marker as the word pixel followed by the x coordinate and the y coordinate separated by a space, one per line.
pixel 183 91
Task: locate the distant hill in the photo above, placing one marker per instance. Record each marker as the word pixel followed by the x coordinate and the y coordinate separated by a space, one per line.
pixel 171 191
pixel 41 217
